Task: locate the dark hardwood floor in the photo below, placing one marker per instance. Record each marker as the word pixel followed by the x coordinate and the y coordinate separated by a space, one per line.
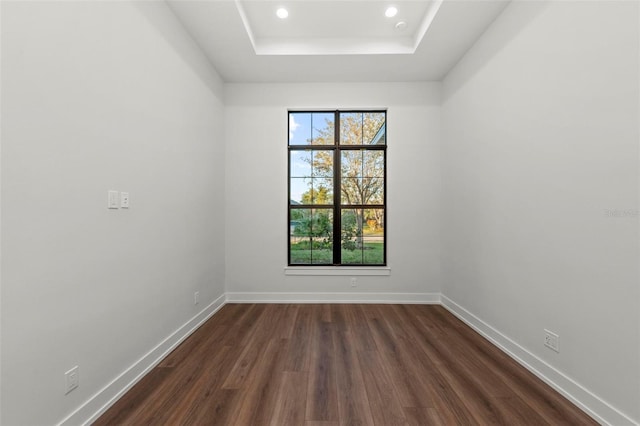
pixel 330 365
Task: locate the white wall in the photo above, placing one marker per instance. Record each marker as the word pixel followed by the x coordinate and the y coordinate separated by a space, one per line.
pixel 99 96
pixel 540 125
pixel 540 141
pixel 256 197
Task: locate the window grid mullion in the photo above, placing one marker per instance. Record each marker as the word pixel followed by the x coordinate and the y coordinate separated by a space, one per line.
pixel 337 206
pixel 337 189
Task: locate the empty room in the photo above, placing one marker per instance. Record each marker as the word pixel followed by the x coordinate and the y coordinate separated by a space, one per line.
pixel 320 213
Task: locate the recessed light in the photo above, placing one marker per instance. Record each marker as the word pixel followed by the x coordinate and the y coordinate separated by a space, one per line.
pixel 390 12
pixel 282 13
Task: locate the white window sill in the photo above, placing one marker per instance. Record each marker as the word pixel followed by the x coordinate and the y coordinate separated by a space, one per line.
pixel 340 271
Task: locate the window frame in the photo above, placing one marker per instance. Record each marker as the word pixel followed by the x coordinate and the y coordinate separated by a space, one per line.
pixel 337 207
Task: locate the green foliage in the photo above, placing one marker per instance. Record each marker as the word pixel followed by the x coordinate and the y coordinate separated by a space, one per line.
pixel 371 253
pixel 311 245
pixel 318 224
pixel 349 230
pixel 362 172
pixel 317 229
pixel 320 196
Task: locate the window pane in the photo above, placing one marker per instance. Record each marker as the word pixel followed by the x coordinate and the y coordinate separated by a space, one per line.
pixel 311 236
pixel 322 165
pixel 300 236
pixel 373 163
pixel 351 236
pixel 373 128
pixel 311 180
pixel 299 187
pixel 308 191
pixel 351 163
pixel 372 190
pixel 351 257
pixel 300 164
pixel 323 128
pixel 322 242
pixel 362 128
pixel 351 128
pixel 362 236
pixel 351 191
pixel 321 192
pixel 299 128
pixel 357 189
pixel 322 251
pixel 373 237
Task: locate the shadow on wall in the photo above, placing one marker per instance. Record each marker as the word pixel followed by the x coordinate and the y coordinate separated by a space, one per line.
pixel 161 17
pixel 519 18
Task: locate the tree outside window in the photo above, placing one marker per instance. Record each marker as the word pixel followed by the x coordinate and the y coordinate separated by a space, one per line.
pixel 337 188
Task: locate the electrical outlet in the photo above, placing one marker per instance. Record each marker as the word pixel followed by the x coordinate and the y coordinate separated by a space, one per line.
pixel 124 200
pixel 196 297
pixel 551 340
pixel 72 379
pixel 354 282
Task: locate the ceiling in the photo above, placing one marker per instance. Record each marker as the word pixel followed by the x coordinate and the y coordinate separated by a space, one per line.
pixel 335 40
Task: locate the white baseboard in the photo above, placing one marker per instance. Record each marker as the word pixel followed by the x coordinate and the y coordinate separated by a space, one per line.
pixel 596 407
pixel 590 403
pixel 406 298
pixel 107 396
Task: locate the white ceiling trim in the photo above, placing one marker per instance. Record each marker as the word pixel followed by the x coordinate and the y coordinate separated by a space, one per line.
pixel 303 46
pixel 245 22
pixel 438 39
pixel 333 46
pixel 426 22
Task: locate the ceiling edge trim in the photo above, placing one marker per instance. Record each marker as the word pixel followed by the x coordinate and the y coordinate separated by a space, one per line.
pixel 245 22
pixel 426 22
pixel 285 46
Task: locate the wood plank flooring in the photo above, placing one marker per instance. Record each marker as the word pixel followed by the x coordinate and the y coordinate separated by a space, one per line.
pixel 336 365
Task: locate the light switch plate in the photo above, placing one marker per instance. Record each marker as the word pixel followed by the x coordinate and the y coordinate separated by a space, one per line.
pixel 112 202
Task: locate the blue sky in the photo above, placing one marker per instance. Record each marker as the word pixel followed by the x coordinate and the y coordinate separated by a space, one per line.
pixel 301 130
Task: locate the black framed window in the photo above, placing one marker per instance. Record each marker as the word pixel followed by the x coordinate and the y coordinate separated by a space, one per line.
pixel 337 188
